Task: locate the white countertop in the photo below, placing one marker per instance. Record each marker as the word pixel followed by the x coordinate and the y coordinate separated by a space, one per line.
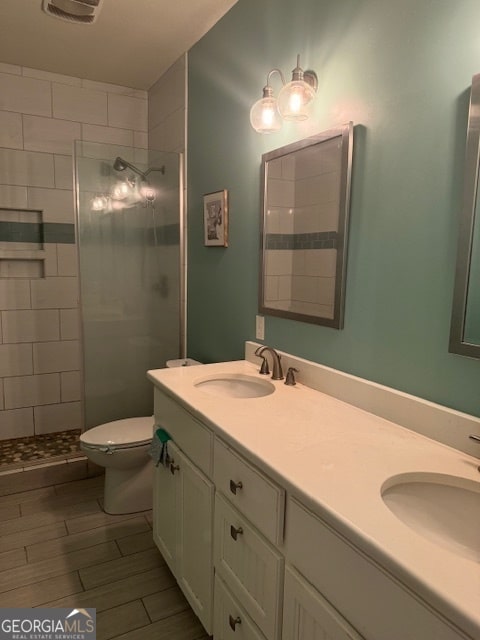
pixel 335 458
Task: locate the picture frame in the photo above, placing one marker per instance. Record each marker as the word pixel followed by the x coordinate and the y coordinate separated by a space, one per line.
pixel 215 219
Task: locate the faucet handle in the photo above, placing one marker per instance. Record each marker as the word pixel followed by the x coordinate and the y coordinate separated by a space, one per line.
pixel 264 370
pixel 476 438
pixel 290 377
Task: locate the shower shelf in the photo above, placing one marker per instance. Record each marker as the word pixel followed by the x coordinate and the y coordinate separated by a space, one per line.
pixel 26 263
pixel 19 254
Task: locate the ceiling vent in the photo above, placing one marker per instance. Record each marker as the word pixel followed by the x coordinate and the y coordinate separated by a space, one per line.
pixel 79 11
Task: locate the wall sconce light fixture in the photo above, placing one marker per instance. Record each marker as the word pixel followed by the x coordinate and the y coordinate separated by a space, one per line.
pixel 294 102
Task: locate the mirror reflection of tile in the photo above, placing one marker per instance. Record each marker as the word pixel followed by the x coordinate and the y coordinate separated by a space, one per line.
pixel 301 230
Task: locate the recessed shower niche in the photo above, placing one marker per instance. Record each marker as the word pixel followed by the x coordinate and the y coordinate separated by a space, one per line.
pixel 22 253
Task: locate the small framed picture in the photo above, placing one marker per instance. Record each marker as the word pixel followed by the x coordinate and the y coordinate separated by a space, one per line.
pixel 215 219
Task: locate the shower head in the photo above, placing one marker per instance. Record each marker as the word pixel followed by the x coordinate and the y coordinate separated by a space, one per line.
pixel 120 165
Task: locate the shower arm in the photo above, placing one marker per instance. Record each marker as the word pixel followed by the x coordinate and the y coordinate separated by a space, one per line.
pixel 161 169
pixel 120 165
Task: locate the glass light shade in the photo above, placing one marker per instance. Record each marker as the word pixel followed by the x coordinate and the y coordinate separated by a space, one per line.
pixel 99 203
pixel 121 190
pixel 147 193
pixel 295 100
pixel 264 116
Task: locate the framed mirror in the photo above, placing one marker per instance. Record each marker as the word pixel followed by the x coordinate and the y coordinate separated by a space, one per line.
pixel 465 324
pixel 304 228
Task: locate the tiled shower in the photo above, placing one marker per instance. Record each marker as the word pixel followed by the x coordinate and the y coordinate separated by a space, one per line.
pixel 41 114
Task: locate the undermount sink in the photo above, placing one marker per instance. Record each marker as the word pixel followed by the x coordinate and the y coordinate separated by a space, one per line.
pixel 231 385
pixel 444 509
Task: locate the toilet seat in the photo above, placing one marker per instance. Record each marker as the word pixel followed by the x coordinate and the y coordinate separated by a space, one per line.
pixel 120 434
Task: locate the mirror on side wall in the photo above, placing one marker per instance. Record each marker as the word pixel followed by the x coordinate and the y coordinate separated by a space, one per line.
pixel 304 230
pixel 465 325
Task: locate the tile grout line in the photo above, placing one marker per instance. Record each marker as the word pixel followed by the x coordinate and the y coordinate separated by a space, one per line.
pixel 146 610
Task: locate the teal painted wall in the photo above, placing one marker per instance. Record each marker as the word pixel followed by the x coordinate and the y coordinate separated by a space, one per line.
pixel 401 71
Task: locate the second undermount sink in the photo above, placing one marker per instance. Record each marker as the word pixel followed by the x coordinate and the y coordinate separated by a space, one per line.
pixel 235 385
pixel 444 509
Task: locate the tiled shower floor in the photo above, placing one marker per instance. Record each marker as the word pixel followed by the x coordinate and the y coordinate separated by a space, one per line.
pixel 20 452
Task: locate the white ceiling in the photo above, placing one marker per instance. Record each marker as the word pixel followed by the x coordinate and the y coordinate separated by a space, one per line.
pixel 132 42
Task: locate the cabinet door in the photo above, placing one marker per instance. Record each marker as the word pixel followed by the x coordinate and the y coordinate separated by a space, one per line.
pixel 308 616
pixel 165 516
pixel 195 522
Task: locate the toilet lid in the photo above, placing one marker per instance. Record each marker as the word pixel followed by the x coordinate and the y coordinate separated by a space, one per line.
pixel 120 433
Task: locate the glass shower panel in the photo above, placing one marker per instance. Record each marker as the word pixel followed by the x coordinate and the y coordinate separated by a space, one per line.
pixel 128 216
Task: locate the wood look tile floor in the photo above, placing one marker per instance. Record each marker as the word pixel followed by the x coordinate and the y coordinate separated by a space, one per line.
pixel 59 549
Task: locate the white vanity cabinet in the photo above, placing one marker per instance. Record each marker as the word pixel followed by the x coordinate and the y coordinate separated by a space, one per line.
pixel 183 508
pixel 258 549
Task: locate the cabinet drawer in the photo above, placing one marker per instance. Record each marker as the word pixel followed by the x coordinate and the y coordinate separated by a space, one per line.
pixel 194 438
pixel 308 616
pixel 231 621
pixel 250 566
pixel 255 495
pixel 378 605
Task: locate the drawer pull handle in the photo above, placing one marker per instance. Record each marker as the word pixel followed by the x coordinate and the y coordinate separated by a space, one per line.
pixel 173 468
pixel 235 485
pixel 234 621
pixel 235 532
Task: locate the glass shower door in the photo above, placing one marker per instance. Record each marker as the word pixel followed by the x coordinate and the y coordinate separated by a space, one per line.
pixel 128 224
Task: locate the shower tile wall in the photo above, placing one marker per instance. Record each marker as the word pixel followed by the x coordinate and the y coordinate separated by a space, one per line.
pixel 40 115
pixel 167 115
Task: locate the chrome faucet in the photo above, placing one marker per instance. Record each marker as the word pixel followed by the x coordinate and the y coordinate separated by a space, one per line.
pixel 277 373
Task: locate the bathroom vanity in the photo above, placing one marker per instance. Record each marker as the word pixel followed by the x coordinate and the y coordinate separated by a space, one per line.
pixel 278 511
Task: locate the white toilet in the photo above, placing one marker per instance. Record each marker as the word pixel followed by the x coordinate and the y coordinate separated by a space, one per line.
pixel 122 448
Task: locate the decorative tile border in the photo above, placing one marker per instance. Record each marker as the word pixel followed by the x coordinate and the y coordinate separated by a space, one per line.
pixel 294 241
pixel 165 235
pixel 64 233
pixel 37 232
pixel 60 232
